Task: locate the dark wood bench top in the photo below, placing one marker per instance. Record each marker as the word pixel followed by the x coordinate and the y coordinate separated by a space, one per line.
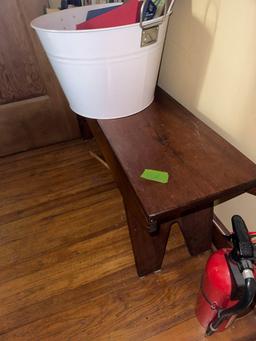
pixel 165 136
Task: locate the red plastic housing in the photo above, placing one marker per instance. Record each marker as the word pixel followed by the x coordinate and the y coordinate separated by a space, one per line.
pixel 215 290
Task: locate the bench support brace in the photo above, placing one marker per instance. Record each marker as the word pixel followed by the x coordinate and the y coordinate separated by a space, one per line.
pixel 148 248
pixel 196 228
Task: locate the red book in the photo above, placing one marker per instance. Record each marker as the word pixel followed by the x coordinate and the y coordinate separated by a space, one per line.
pixel 125 14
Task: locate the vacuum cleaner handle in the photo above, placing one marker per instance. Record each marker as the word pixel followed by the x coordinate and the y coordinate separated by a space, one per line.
pixel 243 247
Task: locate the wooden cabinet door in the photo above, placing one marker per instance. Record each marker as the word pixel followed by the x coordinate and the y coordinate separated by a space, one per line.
pixel 33 109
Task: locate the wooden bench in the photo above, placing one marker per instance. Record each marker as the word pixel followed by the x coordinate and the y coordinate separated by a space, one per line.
pixel 203 167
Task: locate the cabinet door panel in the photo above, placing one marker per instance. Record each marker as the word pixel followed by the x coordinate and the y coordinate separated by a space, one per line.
pixel 19 72
pixel 33 109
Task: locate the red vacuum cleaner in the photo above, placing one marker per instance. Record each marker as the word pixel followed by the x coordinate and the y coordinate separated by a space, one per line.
pixel 228 285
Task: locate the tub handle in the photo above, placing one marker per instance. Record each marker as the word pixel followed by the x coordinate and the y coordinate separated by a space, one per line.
pixel 156 21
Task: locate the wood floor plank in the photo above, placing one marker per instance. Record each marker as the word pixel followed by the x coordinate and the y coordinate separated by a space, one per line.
pixel 60 176
pixel 48 152
pixel 66 265
pixel 40 190
pixel 90 291
pixel 190 330
pixel 57 206
pixel 141 304
pixel 53 231
pixel 78 269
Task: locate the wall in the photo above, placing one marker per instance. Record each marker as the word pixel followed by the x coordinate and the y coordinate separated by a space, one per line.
pixel 209 65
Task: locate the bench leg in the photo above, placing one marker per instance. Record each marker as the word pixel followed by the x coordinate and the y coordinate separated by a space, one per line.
pixel 148 249
pixel 197 230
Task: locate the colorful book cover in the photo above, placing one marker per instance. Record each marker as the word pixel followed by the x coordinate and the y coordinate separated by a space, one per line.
pixel 124 14
pixel 95 12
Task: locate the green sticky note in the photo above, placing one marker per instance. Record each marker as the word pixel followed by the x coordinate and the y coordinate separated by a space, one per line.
pixel 155 175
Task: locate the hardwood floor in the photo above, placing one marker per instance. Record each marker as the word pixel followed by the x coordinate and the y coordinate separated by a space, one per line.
pixel 66 265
